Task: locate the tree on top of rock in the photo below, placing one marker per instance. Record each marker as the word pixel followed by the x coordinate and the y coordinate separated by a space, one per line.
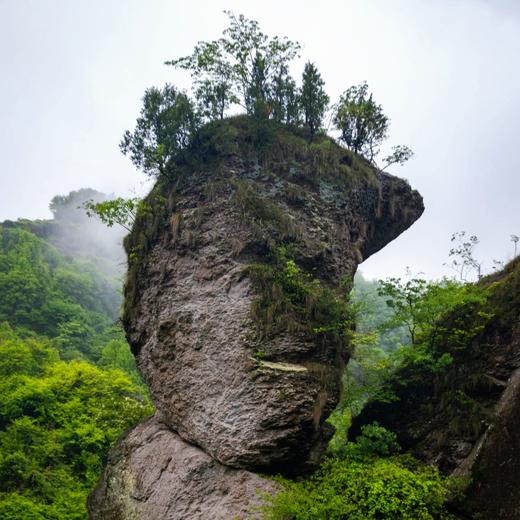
pixel 164 129
pixel 361 121
pixel 246 68
pixel 241 64
pixel 313 98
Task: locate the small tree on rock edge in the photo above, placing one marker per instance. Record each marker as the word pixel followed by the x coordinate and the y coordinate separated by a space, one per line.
pixel 361 121
pixel 313 98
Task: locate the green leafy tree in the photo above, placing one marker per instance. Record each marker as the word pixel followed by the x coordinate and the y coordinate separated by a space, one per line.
pixel 257 92
pixel 313 98
pixel 420 305
pixel 400 155
pixel 361 121
pixel 284 98
pixel 165 128
pixel 120 211
pixel 47 293
pixel 57 422
pixel 407 300
pixel 427 310
pixel 213 99
pixel 116 355
pixel 241 65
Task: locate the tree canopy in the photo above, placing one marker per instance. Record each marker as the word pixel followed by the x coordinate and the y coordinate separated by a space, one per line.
pixel 313 98
pixel 240 67
pixel 361 121
pixel 164 129
pixel 68 381
pixel 245 68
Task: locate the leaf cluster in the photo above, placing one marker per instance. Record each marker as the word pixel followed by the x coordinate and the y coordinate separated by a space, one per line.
pixel 117 211
pixel 370 487
pixel 362 122
pixel 57 421
pixel 164 130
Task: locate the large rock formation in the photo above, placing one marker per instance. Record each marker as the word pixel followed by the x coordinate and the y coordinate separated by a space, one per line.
pixel 465 420
pixel 233 311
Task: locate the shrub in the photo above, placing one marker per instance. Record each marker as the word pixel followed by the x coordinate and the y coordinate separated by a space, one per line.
pixel 375 488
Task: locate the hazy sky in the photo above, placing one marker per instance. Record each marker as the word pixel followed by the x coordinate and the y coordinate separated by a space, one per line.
pixel 446 72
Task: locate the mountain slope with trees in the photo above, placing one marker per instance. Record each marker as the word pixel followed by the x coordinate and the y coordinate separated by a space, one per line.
pixel 68 382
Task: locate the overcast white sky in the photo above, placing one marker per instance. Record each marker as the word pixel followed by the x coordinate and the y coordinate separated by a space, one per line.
pixel 446 72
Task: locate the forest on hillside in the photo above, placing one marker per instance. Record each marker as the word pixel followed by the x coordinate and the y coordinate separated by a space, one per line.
pixel 69 386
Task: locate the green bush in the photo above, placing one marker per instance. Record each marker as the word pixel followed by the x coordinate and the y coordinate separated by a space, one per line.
pixel 374 488
pixel 57 422
pixel 374 440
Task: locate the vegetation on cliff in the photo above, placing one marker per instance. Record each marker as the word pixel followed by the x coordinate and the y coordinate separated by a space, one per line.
pixel 69 386
pixel 248 70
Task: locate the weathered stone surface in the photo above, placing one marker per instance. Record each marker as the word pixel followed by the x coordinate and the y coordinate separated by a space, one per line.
pixel 152 473
pixel 191 328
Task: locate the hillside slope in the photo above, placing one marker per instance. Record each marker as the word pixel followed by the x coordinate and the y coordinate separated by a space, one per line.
pixel 465 419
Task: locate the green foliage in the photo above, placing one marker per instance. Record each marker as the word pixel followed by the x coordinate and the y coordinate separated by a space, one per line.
pixel 372 360
pixel 59 414
pixel 248 68
pixel 400 155
pixel 429 312
pixel 361 121
pixel 57 422
pixel 42 290
pixel 165 128
pixel 420 305
pixel 257 91
pixel 408 335
pixel 116 355
pixel 291 299
pixel 313 98
pixel 504 295
pixel 240 66
pixel 371 488
pixel 374 440
pixel 25 356
pixel 365 377
pixel 117 211
pixel 341 419
pixel 284 98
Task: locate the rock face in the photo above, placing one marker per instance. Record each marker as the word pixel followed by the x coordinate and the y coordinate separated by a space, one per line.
pixel 152 473
pixel 466 420
pixel 235 366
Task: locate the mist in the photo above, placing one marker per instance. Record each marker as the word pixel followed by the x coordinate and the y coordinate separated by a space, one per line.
pixel 444 72
pixel 86 238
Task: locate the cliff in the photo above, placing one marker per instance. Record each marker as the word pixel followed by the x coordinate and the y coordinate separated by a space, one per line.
pixel 235 311
pixel 465 419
